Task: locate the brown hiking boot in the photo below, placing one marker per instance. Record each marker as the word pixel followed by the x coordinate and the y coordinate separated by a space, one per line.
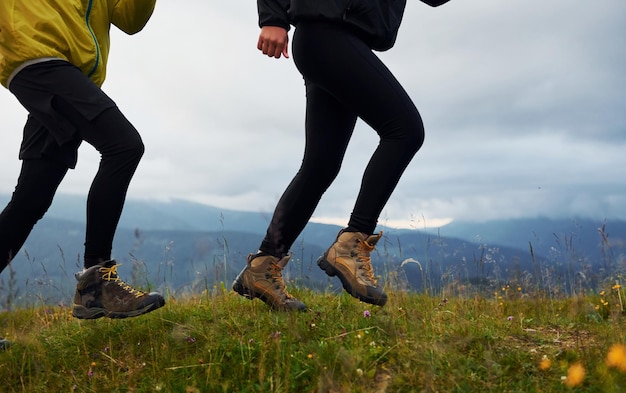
pixel 263 278
pixel 4 344
pixel 101 293
pixel 349 259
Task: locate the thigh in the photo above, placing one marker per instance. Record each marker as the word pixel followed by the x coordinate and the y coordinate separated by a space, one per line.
pixel 335 59
pixel 328 126
pixel 60 100
pixel 111 133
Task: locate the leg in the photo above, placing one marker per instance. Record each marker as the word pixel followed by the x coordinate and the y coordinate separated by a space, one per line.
pixel 36 186
pixel 343 65
pixel 328 128
pixel 73 109
pixel 339 62
pixel 121 149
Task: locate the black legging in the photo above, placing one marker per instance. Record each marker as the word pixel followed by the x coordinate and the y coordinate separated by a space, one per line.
pixel 121 149
pixel 344 80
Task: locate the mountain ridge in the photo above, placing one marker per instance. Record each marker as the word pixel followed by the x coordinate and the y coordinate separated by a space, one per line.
pixel 186 246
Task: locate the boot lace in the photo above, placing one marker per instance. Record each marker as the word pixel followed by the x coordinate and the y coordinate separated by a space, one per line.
pixel 110 274
pixel 275 273
pixel 363 251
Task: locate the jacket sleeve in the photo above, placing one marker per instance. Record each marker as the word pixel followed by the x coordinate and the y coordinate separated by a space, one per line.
pixel 131 16
pixel 274 13
pixel 435 3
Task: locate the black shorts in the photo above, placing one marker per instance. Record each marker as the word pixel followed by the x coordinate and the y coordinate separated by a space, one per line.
pixel 60 100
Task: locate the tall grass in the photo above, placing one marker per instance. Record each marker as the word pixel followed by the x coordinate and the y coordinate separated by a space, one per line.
pixel 220 342
pixel 534 332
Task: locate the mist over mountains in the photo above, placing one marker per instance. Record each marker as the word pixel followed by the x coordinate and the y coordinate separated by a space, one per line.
pixel 182 247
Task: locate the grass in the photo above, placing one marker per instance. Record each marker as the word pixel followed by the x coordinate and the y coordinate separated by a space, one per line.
pixel 220 342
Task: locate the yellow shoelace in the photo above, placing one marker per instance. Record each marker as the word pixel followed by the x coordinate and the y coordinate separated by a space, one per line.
pixel 110 274
pixel 364 250
pixel 277 276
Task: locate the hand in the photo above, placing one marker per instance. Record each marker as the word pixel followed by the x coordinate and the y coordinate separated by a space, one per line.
pixel 274 41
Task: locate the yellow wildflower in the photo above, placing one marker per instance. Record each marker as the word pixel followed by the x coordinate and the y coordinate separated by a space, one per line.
pixel 616 357
pixel 545 363
pixel 575 375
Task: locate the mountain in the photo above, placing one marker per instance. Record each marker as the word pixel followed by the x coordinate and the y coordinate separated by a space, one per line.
pixel 180 246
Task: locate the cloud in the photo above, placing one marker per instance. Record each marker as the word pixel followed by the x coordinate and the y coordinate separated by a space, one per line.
pixel 523 106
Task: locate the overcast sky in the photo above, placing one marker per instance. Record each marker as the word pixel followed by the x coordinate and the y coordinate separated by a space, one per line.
pixel 524 105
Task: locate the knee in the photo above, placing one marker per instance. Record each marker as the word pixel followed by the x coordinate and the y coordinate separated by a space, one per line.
pixel 137 149
pixel 410 139
pixel 128 151
pixel 416 140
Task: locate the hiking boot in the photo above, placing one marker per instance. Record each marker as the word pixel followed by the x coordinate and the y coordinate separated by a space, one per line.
pixel 263 278
pixel 101 293
pixel 349 259
pixel 4 344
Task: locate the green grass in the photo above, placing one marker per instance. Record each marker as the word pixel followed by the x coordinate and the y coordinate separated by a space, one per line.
pixel 221 342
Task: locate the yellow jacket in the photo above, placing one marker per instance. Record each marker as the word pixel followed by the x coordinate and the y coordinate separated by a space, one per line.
pixel 72 30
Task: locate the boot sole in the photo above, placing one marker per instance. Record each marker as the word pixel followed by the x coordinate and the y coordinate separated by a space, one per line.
pixel 331 271
pixel 250 295
pixel 82 312
pixel 243 291
pixel 4 344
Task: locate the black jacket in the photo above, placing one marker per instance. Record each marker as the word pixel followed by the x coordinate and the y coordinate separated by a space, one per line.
pixel 377 21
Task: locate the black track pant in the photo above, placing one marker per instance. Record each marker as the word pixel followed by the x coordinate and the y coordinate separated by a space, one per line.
pixel 65 108
pixel 344 80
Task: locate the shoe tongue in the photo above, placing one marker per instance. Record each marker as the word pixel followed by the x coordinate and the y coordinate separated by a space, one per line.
pixel 283 261
pixel 373 239
pixel 108 263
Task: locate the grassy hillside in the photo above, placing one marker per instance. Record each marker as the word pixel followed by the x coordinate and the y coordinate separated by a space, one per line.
pixel 513 341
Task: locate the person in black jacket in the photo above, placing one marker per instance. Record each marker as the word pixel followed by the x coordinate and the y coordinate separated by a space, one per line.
pixel 333 47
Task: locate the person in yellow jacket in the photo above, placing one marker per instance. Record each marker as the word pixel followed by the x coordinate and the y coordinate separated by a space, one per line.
pixel 53 56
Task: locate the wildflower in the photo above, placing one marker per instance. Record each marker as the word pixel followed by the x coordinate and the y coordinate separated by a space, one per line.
pixel 617 286
pixel 510 318
pixel 90 373
pixel 602 293
pixel 575 375
pixel 359 372
pixel 106 349
pixel 250 341
pixel 310 356
pixel 367 313
pixel 545 363
pixel 616 357
pixel 191 340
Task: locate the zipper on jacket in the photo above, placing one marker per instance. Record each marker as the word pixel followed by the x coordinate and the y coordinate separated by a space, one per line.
pixel 95 40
